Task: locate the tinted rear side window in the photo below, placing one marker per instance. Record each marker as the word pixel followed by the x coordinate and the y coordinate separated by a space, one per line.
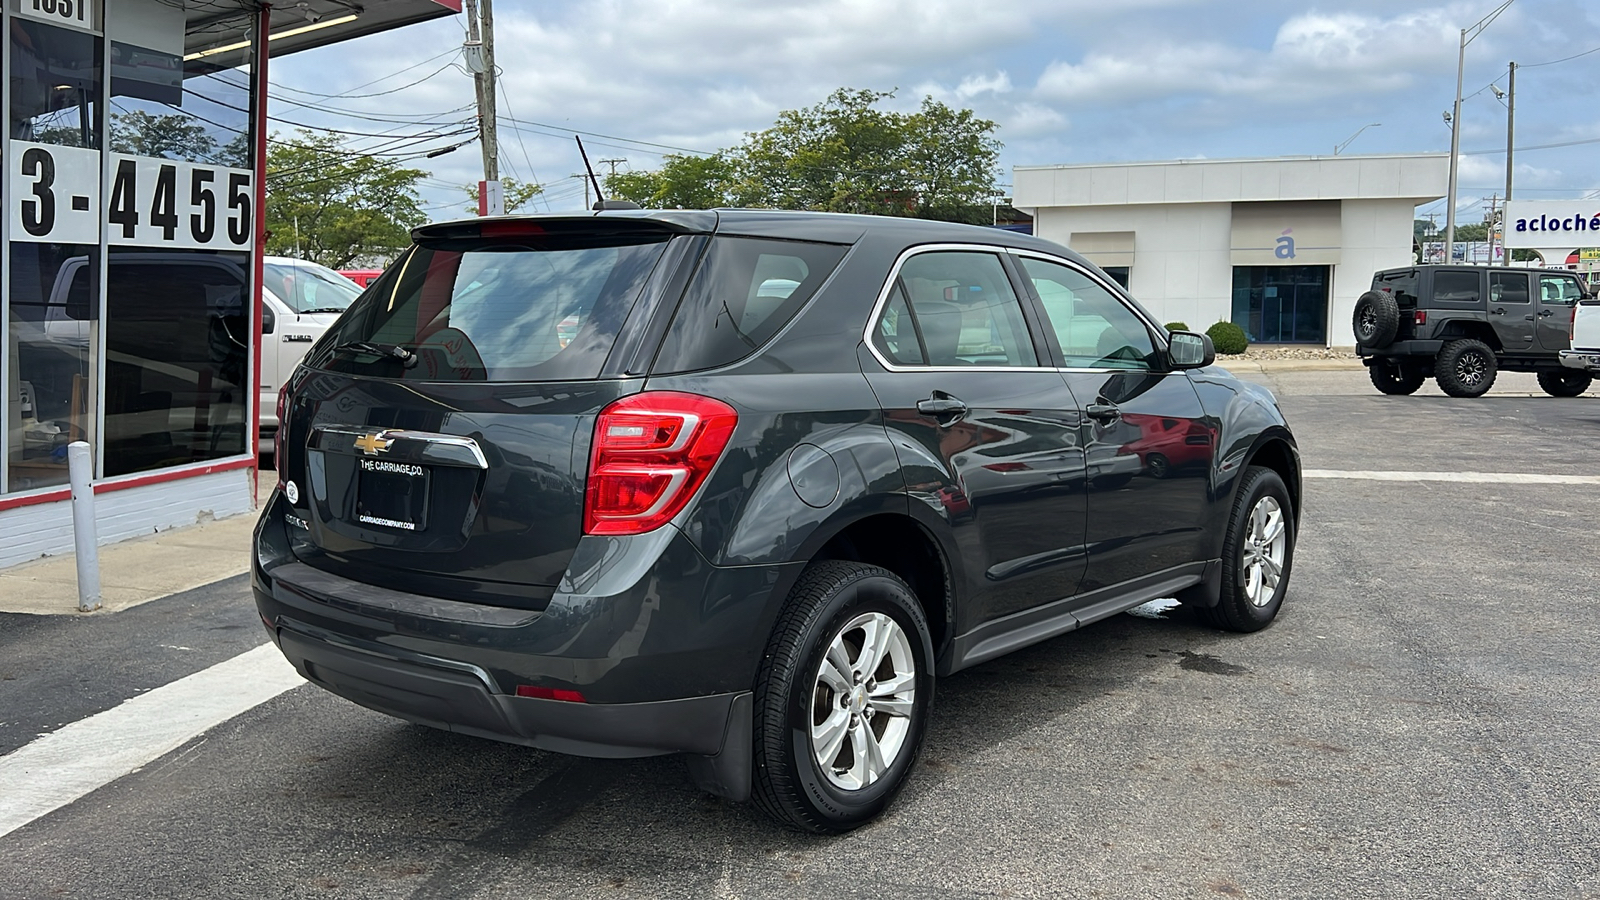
pixel 1457 287
pixel 745 291
pixel 494 310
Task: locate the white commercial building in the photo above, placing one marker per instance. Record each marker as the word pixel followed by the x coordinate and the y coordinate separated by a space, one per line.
pixel 1283 247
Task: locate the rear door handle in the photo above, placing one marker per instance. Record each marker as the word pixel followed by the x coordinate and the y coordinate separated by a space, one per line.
pixel 1497 312
pixel 1102 412
pixel 942 406
pixel 1529 318
pixel 1544 313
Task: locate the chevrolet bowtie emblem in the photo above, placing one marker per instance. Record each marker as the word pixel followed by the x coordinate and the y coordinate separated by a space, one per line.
pixel 373 444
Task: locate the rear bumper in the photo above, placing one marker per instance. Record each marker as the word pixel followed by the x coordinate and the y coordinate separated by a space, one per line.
pixel 463 698
pixel 661 645
pixel 1403 348
pixel 1588 360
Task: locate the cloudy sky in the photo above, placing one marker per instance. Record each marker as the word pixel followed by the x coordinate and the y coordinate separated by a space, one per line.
pixel 1069 81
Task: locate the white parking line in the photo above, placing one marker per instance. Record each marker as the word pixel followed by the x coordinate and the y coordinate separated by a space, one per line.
pixel 1467 477
pixel 66 764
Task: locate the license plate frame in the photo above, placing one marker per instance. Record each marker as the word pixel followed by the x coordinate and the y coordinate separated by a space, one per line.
pixel 393 496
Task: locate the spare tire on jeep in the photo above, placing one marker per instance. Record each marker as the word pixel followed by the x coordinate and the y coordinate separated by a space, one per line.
pixel 1376 320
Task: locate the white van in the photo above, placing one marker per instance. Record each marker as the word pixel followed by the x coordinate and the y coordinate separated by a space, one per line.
pixel 300 300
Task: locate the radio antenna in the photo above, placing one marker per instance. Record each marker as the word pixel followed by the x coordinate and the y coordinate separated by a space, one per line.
pixel 599 198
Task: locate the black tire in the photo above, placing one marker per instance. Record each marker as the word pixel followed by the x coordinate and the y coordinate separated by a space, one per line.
pixel 1465 368
pixel 1235 611
pixel 790 785
pixel 1157 465
pixel 1398 377
pixel 1376 320
pixel 1565 383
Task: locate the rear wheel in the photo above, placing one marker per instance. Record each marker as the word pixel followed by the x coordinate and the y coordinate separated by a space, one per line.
pixel 1465 368
pixel 1397 377
pixel 1376 320
pixel 1565 383
pixel 1257 554
pixel 842 701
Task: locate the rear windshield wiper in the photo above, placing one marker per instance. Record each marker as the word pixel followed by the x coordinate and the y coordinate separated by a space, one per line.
pixel 323 309
pixel 407 358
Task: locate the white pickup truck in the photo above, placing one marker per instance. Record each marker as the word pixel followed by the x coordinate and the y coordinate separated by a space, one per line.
pixel 1585 338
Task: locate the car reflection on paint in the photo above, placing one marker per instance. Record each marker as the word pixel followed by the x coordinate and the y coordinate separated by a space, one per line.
pixel 1167 445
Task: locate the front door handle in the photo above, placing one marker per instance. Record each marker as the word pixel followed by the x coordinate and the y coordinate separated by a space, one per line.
pixel 1102 412
pixel 1529 318
pixel 943 407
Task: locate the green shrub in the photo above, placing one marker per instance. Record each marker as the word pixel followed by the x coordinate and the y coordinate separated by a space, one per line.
pixel 1228 338
pixel 1177 326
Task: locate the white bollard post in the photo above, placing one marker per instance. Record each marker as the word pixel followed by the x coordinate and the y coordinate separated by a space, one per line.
pixel 84 533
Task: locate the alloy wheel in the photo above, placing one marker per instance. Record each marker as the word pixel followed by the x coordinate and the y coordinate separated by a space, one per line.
pixel 1266 541
pixel 1471 369
pixel 862 701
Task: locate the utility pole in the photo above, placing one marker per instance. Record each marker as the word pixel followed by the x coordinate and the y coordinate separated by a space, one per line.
pixel 585 180
pixel 480 61
pixel 1489 222
pixel 1511 119
pixel 612 163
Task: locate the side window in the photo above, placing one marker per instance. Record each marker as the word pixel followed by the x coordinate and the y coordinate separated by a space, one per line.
pixel 896 334
pixel 1559 290
pixel 964 309
pixel 1456 287
pixel 746 290
pixel 1508 287
pixel 1095 328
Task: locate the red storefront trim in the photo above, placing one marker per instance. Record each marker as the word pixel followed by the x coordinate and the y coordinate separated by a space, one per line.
pixel 131 481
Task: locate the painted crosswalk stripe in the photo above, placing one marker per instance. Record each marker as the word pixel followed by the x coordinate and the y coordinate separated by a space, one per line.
pixel 66 764
pixel 1464 477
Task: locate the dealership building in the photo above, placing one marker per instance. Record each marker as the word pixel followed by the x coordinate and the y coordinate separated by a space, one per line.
pixel 1282 247
pixel 131 251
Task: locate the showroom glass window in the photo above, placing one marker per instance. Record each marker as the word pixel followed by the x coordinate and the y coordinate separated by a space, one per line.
pixel 178 271
pixel 55 122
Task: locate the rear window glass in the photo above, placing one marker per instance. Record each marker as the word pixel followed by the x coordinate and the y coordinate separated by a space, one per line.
pixel 527 310
pixel 745 291
pixel 1402 284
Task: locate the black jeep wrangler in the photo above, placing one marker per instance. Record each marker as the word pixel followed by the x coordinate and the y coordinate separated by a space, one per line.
pixel 1463 324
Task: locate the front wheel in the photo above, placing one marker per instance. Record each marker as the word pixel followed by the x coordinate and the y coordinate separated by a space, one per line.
pixel 1565 383
pixel 1257 554
pixel 842 700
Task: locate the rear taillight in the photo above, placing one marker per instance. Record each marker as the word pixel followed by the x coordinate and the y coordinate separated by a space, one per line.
pixel 651 452
pixel 1420 317
pixel 278 440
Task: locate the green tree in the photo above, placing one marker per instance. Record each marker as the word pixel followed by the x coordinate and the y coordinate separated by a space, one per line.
pixel 335 206
pixel 845 154
pixel 682 182
pixel 514 194
pixel 168 137
pixel 1477 231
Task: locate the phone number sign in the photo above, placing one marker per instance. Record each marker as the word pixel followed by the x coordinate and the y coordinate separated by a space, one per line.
pixel 56 198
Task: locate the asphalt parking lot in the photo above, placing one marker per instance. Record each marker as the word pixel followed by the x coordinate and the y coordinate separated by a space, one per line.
pixel 1421 721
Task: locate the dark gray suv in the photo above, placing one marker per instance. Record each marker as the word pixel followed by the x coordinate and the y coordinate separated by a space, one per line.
pixel 742 484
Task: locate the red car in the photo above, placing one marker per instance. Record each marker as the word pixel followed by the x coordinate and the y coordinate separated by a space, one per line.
pixel 362 277
pixel 1166 443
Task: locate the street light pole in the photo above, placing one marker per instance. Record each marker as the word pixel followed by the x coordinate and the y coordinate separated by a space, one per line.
pixel 1455 123
pixel 1455 154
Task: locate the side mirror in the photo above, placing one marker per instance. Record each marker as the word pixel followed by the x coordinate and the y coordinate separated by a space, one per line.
pixel 269 319
pixel 1188 350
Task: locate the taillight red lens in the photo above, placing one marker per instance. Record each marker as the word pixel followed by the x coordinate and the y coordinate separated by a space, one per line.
pixel 544 693
pixel 1420 317
pixel 278 441
pixel 651 452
